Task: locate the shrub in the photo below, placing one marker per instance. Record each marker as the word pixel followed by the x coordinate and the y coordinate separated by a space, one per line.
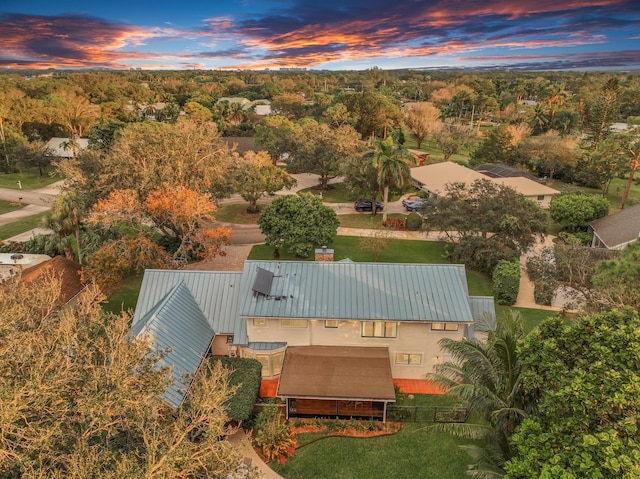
pixel 246 374
pixel 413 222
pixel 506 281
pixel 272 435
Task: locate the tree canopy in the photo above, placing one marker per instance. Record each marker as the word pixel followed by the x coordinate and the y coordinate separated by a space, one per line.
pixel 584 380
pixel 300 222
pixel 79 398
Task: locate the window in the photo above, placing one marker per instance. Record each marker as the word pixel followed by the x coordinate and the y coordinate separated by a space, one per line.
pixel 265 359
pixel 540 197
pixel 331 323
pixel 276 360
pixel 260 322
pixel 247 354
pixel 410 359
pixel 379 329
pixel 444 326
pixel 293 323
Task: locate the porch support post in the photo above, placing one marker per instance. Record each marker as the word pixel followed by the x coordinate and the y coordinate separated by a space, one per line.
pixel 384 412
pixel 287 408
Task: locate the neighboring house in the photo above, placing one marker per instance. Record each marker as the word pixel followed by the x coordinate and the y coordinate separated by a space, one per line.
pixel 616 230
pixel 433 179
pixel 420 155
pixel 243 102
pixel 66 269
pixel 12 264
pixel 241 144
pixel 337 335
pixel 66 147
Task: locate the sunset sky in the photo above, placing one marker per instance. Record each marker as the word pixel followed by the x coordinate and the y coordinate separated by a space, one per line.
pixel 320 34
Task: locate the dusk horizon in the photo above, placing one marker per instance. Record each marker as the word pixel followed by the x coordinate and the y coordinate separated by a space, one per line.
pixel 333 35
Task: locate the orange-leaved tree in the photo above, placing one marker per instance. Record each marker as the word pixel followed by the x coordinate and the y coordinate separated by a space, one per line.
pixel 182 216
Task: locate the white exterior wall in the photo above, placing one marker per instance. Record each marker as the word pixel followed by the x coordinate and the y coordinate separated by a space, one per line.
pixel 544 203
pixel 412 338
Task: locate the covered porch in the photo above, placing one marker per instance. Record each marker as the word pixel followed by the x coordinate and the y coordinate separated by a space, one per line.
pixel 335 381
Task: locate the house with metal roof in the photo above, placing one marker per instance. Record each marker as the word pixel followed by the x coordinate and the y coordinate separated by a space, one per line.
pixel 616 230
pixel 434 179
pixel 306 321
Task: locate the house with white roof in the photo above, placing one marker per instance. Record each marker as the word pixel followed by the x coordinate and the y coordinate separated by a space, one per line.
pixel 434 178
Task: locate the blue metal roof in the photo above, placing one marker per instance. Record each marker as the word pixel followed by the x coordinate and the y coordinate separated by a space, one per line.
pixel 217 294
pixel 177 326
pixel 484 312
pixel 360 291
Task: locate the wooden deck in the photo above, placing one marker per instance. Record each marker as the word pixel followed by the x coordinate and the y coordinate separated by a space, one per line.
pixel 320 407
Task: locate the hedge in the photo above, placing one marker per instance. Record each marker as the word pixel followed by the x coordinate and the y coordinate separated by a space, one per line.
pixel 413 222
pixel 506 282
pixel 247 375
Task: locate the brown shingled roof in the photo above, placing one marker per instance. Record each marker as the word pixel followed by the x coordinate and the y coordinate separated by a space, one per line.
pixel 68 270
pixel 337 372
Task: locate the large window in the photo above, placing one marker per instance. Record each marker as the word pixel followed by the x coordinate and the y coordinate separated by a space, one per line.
pixel 331 323
pixel 444 326
pixel 379 329
pixel 409 359
pixel 260 322
pixel 293 323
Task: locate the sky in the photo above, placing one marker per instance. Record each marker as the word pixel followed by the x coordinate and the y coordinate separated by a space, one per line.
pixel 320 34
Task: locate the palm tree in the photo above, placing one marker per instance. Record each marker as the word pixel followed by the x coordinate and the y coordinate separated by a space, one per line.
pixel 67 212
pixel 393 164
pixel 486 376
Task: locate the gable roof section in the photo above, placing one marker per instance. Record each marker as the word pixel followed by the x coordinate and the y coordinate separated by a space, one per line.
pixel 618 229
pixel 483 311
pixel 435 177
pixel 217 294
pixel 358 291
pixel 176 325
pixel 525 186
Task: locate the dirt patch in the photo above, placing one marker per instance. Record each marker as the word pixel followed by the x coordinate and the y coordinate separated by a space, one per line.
pixel 233 260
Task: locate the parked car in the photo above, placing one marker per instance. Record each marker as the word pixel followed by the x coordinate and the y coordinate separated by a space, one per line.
pixel 408 199
pixel 414 205
pixel 367 205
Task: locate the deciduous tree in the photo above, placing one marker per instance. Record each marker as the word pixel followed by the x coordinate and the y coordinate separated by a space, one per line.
pixel 79 398
pixel 255 176
pixel 300 222
pixel 423 120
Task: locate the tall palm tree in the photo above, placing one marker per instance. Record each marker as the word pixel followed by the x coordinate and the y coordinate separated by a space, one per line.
pixel 486 376
pixel 64 219
pixel 393 164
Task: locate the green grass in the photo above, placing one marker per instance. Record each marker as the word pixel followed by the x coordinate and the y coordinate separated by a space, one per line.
pixel 236 214
pixel 29 178
pixel 365 220
pixel 20 226
pixel 530 317
pixel 418 450
pixel 337 193
pixel 125 298
pixel 7 206
pixel 397 251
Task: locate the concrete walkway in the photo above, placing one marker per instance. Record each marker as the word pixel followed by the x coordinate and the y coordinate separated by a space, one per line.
pixel 252 459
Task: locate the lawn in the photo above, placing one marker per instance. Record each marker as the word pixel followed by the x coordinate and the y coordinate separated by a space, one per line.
pixel 237 214
pixel 7 206
pixel 29 179
pixel 417 447
pixel 20 226
pixel 530 317
pixel 125 298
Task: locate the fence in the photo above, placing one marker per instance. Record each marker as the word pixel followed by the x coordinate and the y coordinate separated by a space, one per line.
pixel 427 414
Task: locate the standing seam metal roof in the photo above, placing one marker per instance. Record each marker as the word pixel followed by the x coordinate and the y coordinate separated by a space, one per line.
pixel 217 294
pixel 361 291
pixel 177 326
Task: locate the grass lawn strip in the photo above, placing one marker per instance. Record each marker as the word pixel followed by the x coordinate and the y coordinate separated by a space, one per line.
pixel 20 226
